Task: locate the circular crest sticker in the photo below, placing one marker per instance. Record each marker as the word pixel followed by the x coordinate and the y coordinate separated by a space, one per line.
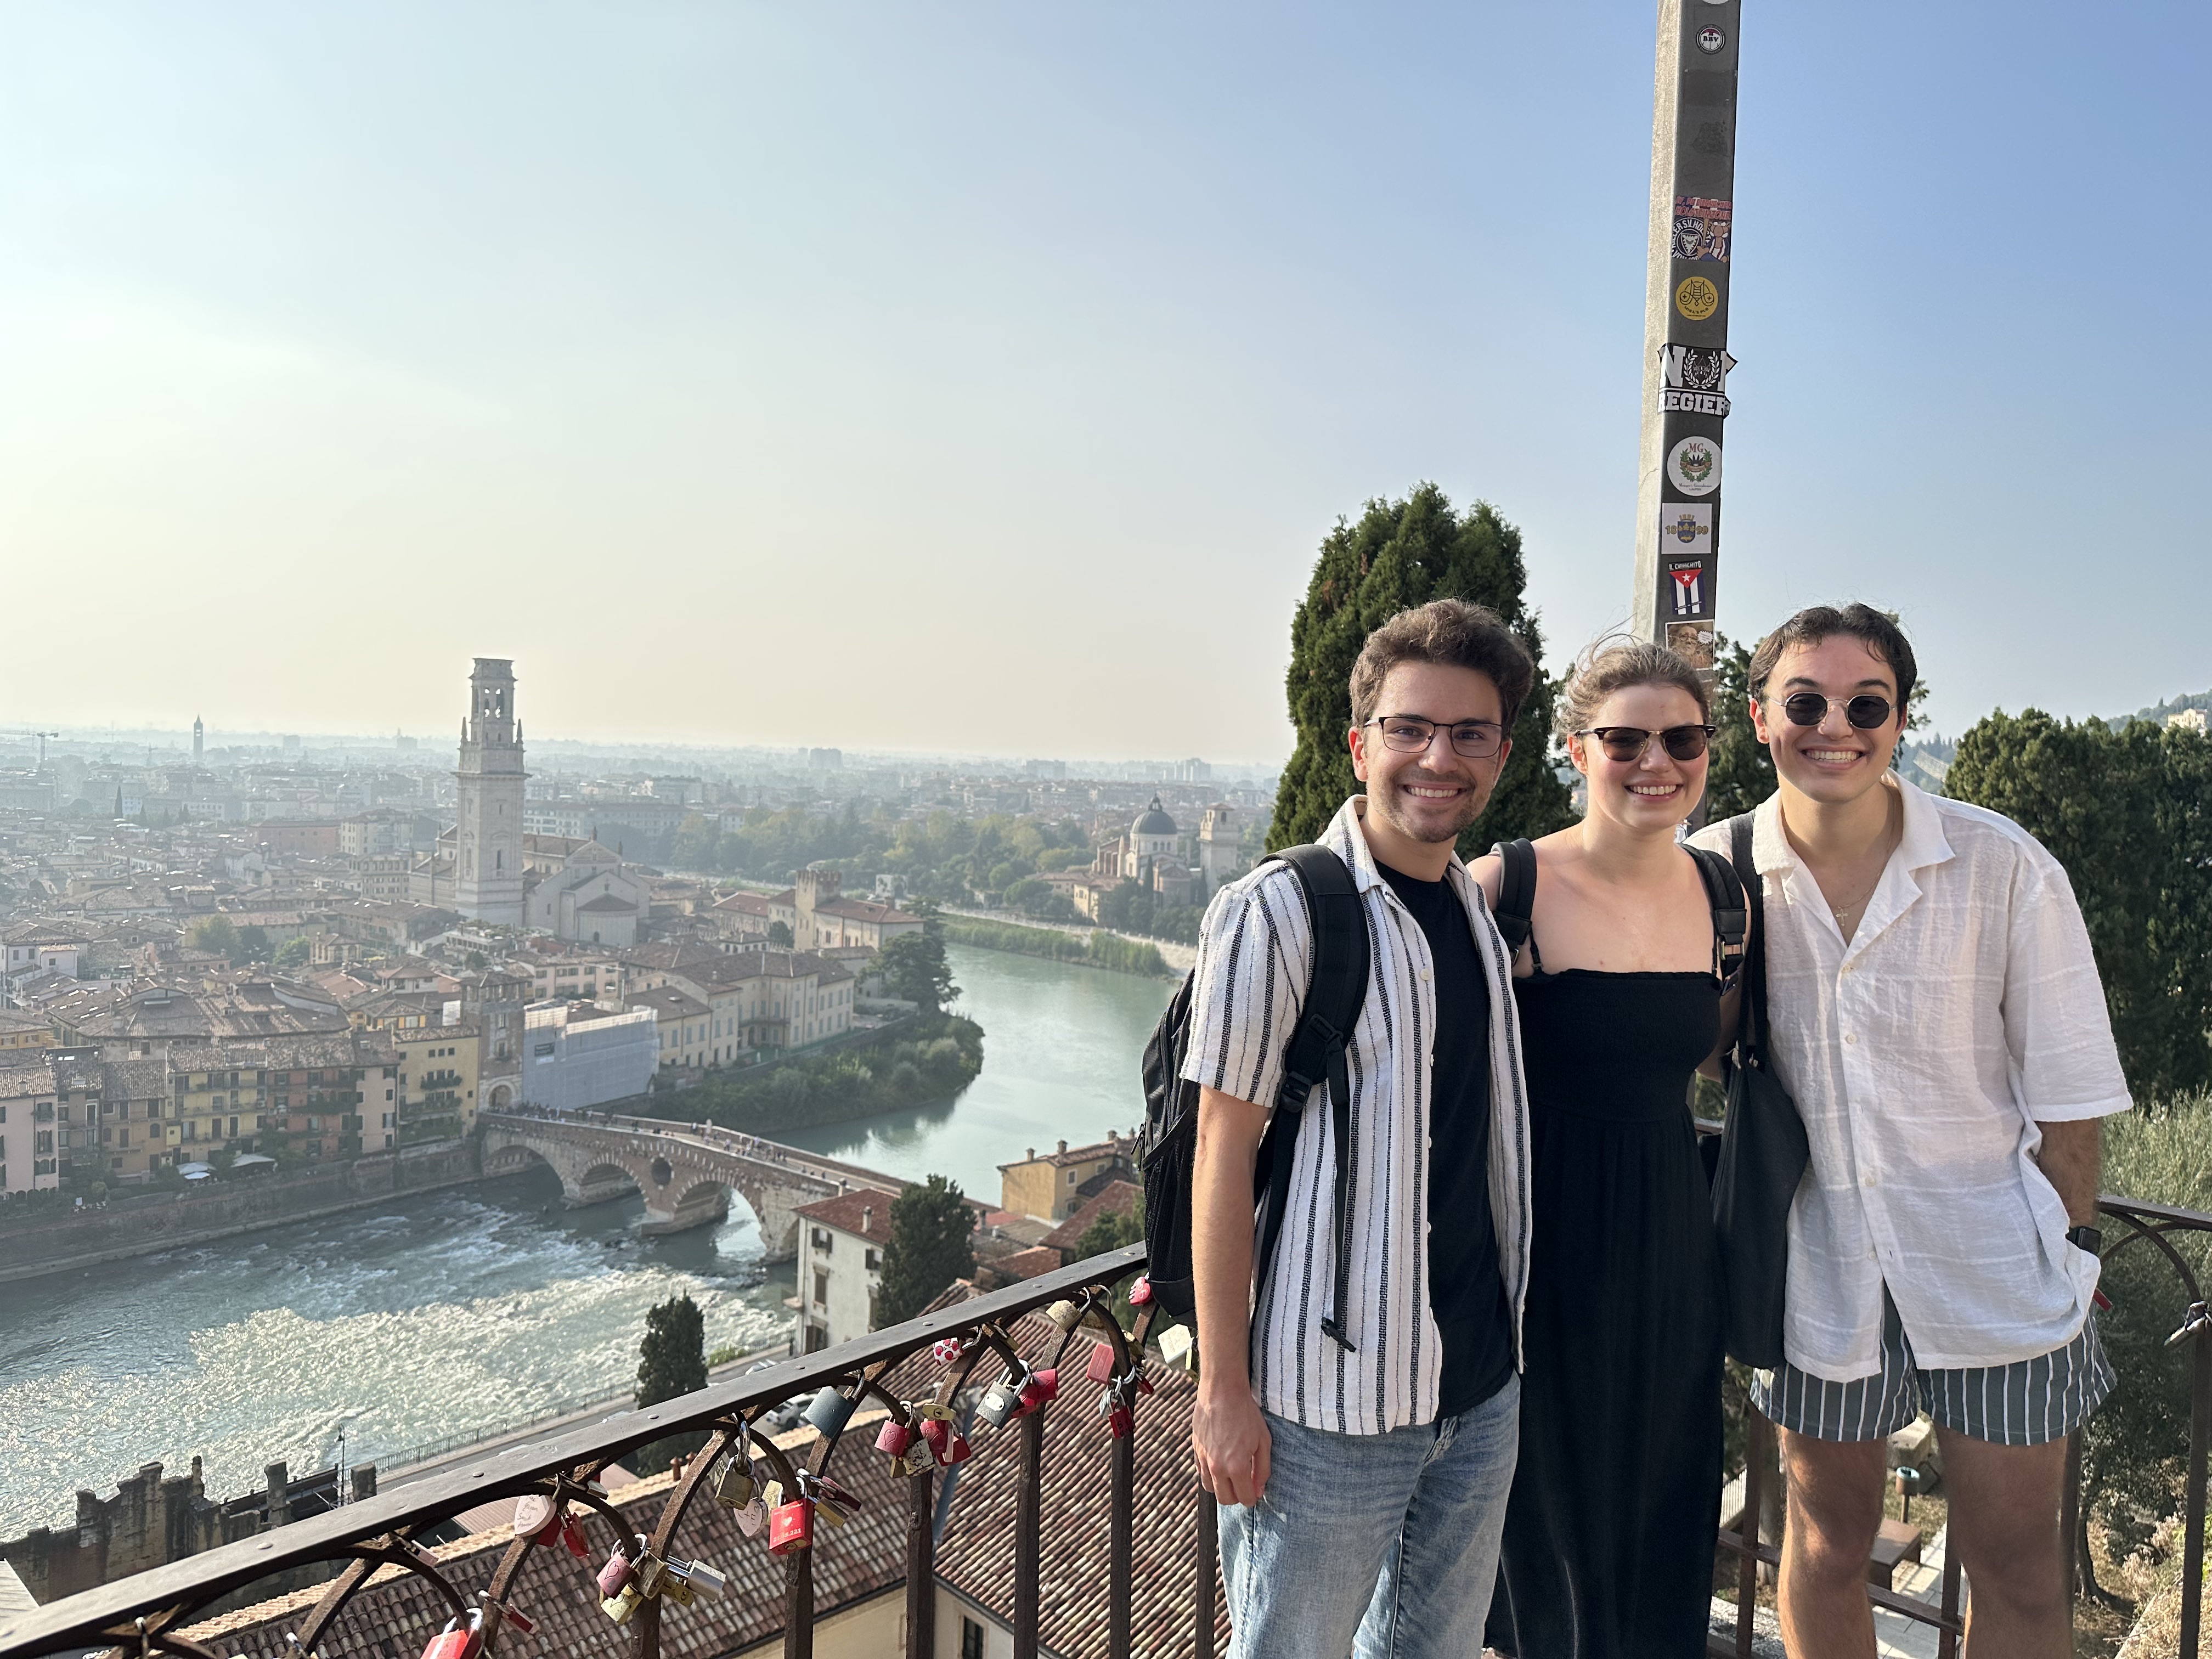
pixel 1695 298
pixel 1710 39
pixel 1693 466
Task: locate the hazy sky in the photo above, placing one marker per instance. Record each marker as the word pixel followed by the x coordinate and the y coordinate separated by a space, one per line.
pixel 985 375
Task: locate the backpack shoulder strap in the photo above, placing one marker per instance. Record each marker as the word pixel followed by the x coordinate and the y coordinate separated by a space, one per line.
pixel 1745 865
pixel 1516 893
pixel 1338 989
pixel 1724 894
pixel 1315 1052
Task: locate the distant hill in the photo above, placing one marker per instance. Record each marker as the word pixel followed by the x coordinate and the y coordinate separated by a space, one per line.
pixel 2156 715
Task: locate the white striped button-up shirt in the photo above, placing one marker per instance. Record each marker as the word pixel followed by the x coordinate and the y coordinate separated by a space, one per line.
pixel 1254 958
pixel 1965 1008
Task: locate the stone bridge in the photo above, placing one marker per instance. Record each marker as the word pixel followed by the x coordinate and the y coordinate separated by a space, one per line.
pixel 684 1170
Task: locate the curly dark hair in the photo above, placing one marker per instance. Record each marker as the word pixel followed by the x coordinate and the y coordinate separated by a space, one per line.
pixel 1877 629
pixel 1457 633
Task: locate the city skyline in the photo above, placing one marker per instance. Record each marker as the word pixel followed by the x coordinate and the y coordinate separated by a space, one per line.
pixel 979 380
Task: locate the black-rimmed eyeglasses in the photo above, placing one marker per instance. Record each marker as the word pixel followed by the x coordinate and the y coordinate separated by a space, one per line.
pixel 1409 734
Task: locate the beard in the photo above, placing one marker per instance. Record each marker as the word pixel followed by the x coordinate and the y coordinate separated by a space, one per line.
pixel 1443 823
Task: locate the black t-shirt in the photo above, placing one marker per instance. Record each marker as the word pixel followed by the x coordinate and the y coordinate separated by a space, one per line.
pixel 1467 1292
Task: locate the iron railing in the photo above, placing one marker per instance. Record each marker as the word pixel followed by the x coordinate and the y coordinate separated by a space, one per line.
pixel 2150 1224
pixel 918 1374
pixel 938 1362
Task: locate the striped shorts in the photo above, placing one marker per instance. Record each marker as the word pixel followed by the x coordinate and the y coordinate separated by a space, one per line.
pixel 2027 1403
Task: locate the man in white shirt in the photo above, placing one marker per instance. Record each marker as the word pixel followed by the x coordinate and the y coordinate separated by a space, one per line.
pixel 1938 1017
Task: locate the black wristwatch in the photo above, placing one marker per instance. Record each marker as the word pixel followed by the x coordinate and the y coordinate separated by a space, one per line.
pixel 2086 1239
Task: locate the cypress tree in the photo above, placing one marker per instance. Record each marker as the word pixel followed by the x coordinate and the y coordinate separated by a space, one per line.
pixel 672 1363
pixel 1402 554
pixel 932 1245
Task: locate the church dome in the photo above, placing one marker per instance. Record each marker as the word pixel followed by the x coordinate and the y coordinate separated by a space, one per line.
pixel 1156 822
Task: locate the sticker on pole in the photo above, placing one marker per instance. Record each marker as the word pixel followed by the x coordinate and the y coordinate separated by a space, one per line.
pixel 1701 227
pixel 1694 465
pixel 1695 298
pixel 1693 640
pixel 1685 524
pixel 1710 39
pixel 1690 588
pixel 1693 379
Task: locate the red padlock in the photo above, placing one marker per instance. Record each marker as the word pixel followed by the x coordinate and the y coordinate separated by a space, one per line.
pixel 934 1433
pixel 895 1437
pixel 1100 1369
pixel 572 1535
pixel 1120 1421
pixel 454 1643
pixel 956 1450
pixel 791 1528
pixel 615 1577
pixel 1140 1292
pixel 1039 1390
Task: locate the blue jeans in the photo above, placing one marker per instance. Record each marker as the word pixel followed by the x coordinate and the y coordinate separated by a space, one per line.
pixel 1384 1546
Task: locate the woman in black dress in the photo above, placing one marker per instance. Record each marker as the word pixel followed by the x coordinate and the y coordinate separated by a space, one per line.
pixel 1609 1534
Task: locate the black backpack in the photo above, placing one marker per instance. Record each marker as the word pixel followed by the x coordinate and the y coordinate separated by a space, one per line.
pixel 1312 1054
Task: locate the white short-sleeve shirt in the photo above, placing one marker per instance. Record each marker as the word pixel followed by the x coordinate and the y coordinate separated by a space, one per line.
pixel 1965 1008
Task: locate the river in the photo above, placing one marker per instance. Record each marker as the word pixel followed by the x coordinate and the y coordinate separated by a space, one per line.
pixel 451 1312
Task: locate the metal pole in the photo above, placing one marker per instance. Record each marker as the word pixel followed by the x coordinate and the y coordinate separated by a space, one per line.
pixel 921 1564
pixel 1685 312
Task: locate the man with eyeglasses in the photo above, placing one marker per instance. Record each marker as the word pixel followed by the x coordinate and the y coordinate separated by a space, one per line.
pixel 1938 1017
pixel 1360 1425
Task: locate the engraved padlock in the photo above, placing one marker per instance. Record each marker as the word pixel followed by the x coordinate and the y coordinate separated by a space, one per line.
pixel 617 1575
pixel 457 1641
pixel 894 1436
pixel 1039 1390
pixel 537 1518
pixel 1065 1313
pixel 1101 1368
pixel 652 1573
pixel 935 1432
pixel 752 1517
pixel 733 1486
pixel 791 1528
pixel 1000 1402
pixel 1118 1421
pixel 1140 1292
pixel 619 1607
pixel 829 1412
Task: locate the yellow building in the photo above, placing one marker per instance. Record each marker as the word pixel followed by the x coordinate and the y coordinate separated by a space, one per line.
pixel 1053 1186
pixel 437 1080
pixel 21 1030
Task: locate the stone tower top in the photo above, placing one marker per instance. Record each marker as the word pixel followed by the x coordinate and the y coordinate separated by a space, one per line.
pixel 491 704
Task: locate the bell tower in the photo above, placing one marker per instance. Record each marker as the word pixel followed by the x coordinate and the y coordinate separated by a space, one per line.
pixel 488 841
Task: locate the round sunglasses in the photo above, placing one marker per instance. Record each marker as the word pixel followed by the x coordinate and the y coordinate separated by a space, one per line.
pixel 1628 742
pixel 1866 711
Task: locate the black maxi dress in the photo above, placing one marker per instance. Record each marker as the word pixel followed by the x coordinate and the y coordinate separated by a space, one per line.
pixel 1609 1534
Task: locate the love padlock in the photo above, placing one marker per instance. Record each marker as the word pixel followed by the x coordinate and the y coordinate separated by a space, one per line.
pixel 652 1572
pixel 1101 1368
pixel 957 1449
pixel 455 1642
pixel 1039 1390
pixel 619 1607
pixel 829 1412
pixel 536 1518
pixel 894 1437
pixel 791 1528
pixel 836 1494
pixel 1140 1292
pixel 947 1349
pixel 733 1487
pixel 617 1575
pixel 1118 1421
pixel 752 1517
pixel 571 1536
pixel 1001 1400
pixel 935 1432
pixel 1065 1313
pixel 699 1579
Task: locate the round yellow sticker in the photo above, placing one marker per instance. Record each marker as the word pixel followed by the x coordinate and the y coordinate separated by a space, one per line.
pixel 1695 298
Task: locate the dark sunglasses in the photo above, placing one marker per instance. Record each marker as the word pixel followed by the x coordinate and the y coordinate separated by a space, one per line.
pixel 1866 711
pixel 1628 742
